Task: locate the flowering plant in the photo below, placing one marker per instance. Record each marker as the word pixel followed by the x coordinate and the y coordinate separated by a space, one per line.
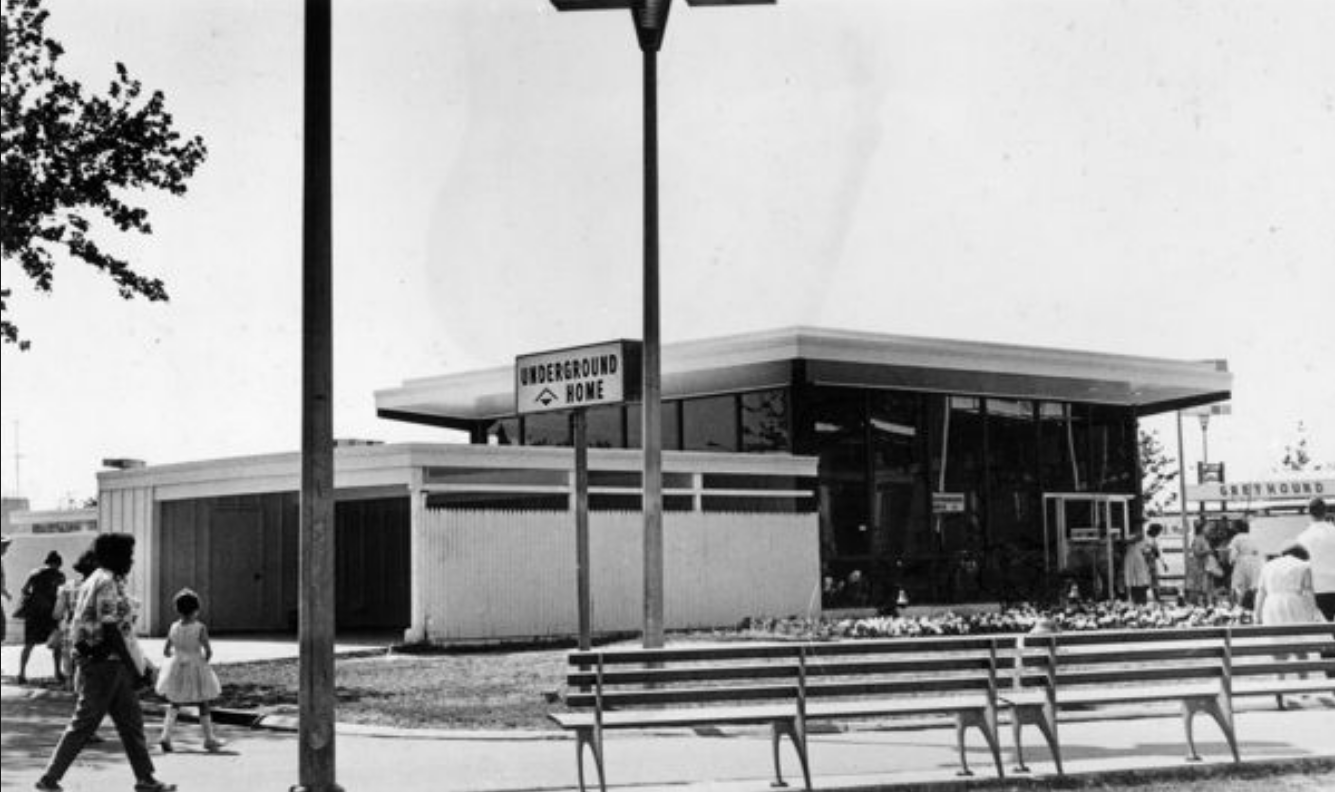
pixel 1018 619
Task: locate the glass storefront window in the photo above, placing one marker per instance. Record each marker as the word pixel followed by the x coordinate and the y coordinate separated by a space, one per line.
pixel 671 425
pixel 898 432
pixel 1056 448
pixel 765 426
pixel 1013 517
pixel 547 429
pixel 709 424
pixel 1112 432
pixel 604 428
pixel 836 432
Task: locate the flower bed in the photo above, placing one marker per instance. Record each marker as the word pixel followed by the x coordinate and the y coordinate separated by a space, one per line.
pixel 1090 616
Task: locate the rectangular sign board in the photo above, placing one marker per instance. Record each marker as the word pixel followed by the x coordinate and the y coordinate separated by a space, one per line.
pixel 587 376
pixel 947 503
pixel 1276 489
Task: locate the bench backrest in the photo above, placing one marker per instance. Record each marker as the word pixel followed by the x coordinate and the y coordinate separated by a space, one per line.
pixel 753 673
pixel 1083 660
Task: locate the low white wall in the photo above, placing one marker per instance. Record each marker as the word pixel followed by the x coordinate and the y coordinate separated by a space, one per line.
pixel 502 575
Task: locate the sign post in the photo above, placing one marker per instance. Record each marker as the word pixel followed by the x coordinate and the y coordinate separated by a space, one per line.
pixel 575 379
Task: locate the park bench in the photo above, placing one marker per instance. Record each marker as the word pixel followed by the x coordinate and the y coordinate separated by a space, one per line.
pixel 1203 669
pixel 786 686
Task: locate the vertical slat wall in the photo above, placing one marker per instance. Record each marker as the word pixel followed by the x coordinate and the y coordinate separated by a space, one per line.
pixel 131 510
pixel 492 574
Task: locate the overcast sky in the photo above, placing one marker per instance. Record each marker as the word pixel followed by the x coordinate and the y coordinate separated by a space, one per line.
pixel 1146 177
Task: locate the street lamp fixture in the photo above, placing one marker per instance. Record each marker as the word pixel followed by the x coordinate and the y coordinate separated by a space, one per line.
pixel 650 20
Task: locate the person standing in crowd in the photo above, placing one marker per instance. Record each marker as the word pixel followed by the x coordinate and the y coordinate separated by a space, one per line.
pixel 1284 593
pixel 66 598
pixel 1246 561
pixel 4 589
pixel 110 668
pixel 1319 540
pixel 38 606
pixel 1136 569
pixel 1198 582
pixel 1154 558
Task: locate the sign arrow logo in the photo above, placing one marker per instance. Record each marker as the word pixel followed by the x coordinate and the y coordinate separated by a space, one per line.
pixel 546 397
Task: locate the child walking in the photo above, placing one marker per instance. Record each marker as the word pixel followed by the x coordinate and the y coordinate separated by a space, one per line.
pixel 186 678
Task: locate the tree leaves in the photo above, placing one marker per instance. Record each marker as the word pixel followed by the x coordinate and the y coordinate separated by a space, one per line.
pixel 70 157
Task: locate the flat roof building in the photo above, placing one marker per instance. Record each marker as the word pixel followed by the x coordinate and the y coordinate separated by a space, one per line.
pixel 949 471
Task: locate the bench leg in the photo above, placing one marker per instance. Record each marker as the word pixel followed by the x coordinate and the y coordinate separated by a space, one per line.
pixel 797 734
pixel 960 726
pixel 594 741
pixel 1044 718
pixel 1216 708
pixel 1047 724
pixel 986 724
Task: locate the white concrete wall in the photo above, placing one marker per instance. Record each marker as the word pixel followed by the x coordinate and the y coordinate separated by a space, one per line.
pixel 501 575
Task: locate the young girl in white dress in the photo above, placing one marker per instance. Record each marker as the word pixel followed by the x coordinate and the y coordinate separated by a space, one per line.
pixel 186 678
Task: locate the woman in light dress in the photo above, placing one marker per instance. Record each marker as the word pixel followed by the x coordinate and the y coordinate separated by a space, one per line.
pixel 1246 560
pixel 1284 594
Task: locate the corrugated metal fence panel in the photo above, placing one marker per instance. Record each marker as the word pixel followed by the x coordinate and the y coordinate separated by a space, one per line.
pixel 493 574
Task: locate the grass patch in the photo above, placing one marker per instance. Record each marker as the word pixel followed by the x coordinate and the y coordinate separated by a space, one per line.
pixel 447 690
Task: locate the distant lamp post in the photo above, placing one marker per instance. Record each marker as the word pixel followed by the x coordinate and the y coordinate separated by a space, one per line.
pixel 650 20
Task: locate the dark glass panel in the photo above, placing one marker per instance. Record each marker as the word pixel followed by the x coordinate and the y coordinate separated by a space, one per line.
pixel 899 467
pixel 1111 465
pixel 518 501
pixel 671 425
pixel 958 466
pixel 709 424
pixel 1014 519
pixel 604 427
pixel 547 429
pixel 837 427
pixel 1056 442
pixel 765 421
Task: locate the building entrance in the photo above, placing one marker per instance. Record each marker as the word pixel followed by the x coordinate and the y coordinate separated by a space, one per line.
pixel 1083 534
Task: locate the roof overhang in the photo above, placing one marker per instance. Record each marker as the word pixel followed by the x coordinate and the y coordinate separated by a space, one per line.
pixel 834 357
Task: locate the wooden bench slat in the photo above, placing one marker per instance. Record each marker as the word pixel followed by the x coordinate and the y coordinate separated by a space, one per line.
pixel 743 651
pixel 1284 667
pixel 640 719
pixel 1105 676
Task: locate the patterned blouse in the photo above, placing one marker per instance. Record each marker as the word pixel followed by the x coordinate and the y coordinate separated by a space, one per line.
pixel 102 600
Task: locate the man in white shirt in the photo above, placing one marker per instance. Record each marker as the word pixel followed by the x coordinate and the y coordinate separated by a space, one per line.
pixel 1319 539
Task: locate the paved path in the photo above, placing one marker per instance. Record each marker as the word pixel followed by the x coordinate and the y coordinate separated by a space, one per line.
pixel 261 759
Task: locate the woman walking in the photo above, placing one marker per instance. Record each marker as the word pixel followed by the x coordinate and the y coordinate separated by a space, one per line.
pixel 38 609
pixel 110 668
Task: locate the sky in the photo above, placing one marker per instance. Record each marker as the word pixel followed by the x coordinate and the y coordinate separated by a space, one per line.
pixel 1144 177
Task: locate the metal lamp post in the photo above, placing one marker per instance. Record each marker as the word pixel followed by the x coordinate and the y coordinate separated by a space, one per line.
pixel 650 20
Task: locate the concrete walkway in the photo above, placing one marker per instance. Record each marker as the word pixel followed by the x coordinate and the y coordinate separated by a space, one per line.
pixel 867 758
